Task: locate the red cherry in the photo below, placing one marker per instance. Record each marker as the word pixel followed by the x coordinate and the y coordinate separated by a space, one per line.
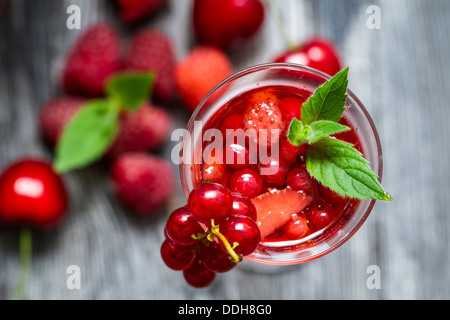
pixel 322 215
pixel 288 151
pixel 273 170
pixel 299 179
pixel 32 192
pixel 232 122
pixel 291 107
pixel 237 156
pixel 245 232
pixel 214 172
pixel 197 275
pixel 317 53
pixel 181 225
pixel 247 182
pixel 210 201
pixel 242 206
pixel 224 23
pixel 175 256
pixel 296 228
pixel 214 258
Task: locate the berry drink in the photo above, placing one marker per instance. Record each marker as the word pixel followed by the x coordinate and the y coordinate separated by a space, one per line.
pixel 299 218
pixel 308 208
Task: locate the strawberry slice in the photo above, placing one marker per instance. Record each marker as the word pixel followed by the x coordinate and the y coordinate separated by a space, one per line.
pixel 276 207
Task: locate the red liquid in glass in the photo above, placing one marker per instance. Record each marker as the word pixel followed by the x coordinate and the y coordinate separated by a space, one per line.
pixel 325 208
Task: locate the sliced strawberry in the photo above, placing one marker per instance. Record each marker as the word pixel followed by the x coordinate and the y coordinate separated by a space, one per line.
pixel 276 207
pixel 264 114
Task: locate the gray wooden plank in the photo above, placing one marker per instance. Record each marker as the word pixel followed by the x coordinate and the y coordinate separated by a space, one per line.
pixel 400 73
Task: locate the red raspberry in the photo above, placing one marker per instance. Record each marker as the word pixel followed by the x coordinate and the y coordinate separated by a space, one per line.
pixel 199 72
pixel 93 59
pixel 143 130
pixel 153 51
pixel 263 113
pixel 134 11
pixel 55 114
pixel 142 182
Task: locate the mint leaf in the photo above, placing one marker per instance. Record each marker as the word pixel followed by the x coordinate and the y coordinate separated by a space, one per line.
pixel 130 90
pixel 338 165
pixel 328 102
pixel 324 128
pixel 297 134
pixel 87 136
pixel 300 134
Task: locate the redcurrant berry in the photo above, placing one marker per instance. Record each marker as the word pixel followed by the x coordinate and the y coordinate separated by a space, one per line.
pixel 181 225
pixel 210 201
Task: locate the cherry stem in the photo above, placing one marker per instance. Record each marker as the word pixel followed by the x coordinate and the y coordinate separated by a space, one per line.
pixel 230 249
pixel 279 20
pixel 25 244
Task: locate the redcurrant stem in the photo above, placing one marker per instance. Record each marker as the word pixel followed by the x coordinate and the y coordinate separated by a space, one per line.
pixel 279 20
pixel 230 249
pixel 25 244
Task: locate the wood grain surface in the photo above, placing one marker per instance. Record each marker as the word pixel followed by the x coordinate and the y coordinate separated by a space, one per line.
pixel 400 72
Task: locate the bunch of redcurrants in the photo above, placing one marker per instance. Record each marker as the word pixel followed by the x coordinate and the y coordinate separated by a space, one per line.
pixel 210 234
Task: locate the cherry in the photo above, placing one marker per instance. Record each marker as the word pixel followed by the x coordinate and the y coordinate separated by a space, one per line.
pixel 197 275
pixel 224 23
pixel 296 228
pixel 288 151
pixel 291 107
pixel 210 201
pixel 330 196
pixel 214 258
pixel 214 172
pixel 247 182
pixel 232 122
pixel 317 53
pixel 244 231
pixel 273 170
pixel 175 256
pixel 31 192
pixel 322 215
pixel 242 206
pixel 237 156
pixel 299 179
pixel 181 225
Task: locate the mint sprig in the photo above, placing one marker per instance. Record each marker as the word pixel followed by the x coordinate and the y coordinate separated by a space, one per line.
pixel 92 130
pixel 328 101
pixel 334 163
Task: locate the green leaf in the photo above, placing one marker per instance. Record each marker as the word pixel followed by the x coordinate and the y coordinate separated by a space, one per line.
pixel 338 165
pixel 324 128
pixel 328 101
pixel 130 90
pixel 300 134
pixel 297 134
pixel 87 136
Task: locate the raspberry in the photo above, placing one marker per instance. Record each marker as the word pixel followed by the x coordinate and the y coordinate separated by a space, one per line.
pixel 134 11
pixel 93 59
pixel 153 51
pixel 143 130
pixel 55 114
pixel 199 72
pixel 141 182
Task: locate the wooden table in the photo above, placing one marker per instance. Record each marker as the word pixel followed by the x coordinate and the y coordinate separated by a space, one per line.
pixel 400 72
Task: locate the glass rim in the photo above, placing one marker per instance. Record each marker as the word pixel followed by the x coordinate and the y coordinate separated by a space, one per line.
pixel 357 102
